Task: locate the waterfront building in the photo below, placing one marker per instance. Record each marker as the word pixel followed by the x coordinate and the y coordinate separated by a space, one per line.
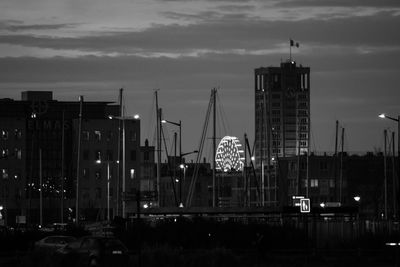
pixel 39 144
pixel 282 111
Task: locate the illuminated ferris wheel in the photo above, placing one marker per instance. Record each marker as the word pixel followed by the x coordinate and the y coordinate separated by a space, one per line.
pixel 229 154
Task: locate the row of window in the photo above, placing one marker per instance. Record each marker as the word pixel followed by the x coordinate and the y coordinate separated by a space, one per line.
pixel 5 134
pixel 99 135
pixel 108 155
pixel 5 153
pixel 5 174
pixel 98 174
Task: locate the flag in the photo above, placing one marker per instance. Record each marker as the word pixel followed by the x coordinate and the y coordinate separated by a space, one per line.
pixel 292 43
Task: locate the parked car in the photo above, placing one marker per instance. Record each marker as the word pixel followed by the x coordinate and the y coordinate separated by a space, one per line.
pixel 52 243
pixel 93 251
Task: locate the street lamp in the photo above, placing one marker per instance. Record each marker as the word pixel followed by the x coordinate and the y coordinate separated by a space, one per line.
pixel 108 185
pixel 181 155
pixel 384 116
pixel 123 119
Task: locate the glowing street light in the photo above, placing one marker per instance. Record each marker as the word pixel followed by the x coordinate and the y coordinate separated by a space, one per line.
pixel 385 116
pixel 123 119
pixel 357 198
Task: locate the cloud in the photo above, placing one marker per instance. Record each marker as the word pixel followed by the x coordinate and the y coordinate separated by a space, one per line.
pixel 338 3
pixel 226 35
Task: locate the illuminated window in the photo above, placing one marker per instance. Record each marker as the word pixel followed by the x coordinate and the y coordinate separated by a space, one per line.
pixel 331 183
pixel 17 176
pixel 97 155
pixel 97 135
pixel 85 173
pixel 132 135
pixel 132 173
pixel 18 153
pixel 314 182
pixel 4 173
pixel 4 153
pixel 97 175
pixel 4 134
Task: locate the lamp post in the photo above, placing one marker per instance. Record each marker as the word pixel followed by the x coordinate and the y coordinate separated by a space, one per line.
pixel 384 116
pixel 179 124
pixel 123 119
pixel 108 185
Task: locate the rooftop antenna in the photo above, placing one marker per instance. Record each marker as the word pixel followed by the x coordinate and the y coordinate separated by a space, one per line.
pixel 292 43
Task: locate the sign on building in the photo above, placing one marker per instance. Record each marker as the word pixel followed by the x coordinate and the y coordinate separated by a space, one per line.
pixel 305 205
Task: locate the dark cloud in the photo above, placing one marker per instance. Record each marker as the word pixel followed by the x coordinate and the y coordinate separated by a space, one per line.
pixel 228 33
pixel 16 25
pixel 338 3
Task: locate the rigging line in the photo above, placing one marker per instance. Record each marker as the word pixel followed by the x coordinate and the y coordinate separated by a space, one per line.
pixel 224 117
pixel 199 155
pixel 151 123
pixel 169 167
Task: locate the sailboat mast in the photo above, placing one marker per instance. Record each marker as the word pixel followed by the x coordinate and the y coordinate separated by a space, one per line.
pixel 214 143
pixel 158 123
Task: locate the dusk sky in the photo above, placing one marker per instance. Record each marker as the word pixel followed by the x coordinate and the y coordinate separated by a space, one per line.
pixel 186 48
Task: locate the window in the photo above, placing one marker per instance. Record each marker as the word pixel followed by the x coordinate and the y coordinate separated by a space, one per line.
pixel 86 173
pixel 111 191
pixel 4 173
pixel 132 173
pixel 314 182
pixel 110 136
pixel 97 174
pixel 133 155
pixel 276 96
pixel 331 183
pixel 85 193
pixel 132 135
pixel 109 155
pixel 85 135
pixel 17 153
pixel 86 155
pixel 17 133
pixel 276 120
pixel 98 192
pixel 97 135
pixel 97 155
pixel 276 104
pixel 276 112
pixel 4 134
pixel 4 153
pixel 323 165
pixel 302 112
pixel 146 155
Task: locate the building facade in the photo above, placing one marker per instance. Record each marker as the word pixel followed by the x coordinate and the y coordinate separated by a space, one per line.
pixel 39 148
pixel 282 111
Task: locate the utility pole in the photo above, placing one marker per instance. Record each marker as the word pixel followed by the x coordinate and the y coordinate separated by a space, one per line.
pixel 41 188
pixel 341 168
pixel 394 177
pixel 78 161
pixel 62 168
pixel 385 172
pixel 214 144
pixel 158 127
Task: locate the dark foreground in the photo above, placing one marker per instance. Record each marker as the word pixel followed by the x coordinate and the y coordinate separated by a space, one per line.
pixel 205 243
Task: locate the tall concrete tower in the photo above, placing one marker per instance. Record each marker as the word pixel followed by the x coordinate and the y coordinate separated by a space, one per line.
pixel 282 111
